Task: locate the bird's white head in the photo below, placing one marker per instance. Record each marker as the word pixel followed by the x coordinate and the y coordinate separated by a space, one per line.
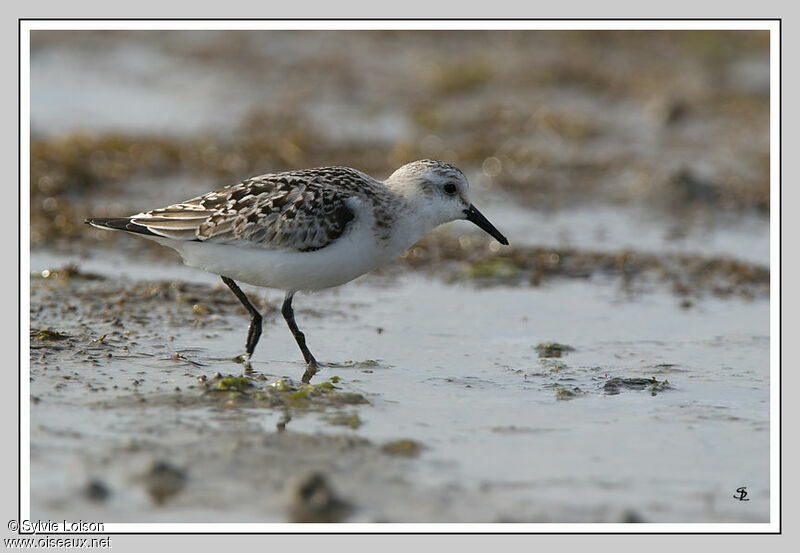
pixel 439 193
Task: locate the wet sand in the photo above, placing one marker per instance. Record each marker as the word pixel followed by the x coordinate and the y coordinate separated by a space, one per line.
pixel 640 412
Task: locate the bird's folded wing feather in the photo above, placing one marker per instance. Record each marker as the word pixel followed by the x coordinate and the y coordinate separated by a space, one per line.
pixel 271 211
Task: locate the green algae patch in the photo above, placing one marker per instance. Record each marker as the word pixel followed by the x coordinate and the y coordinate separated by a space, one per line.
pixel 352 420
pixel 350 364
pixel 282 393
pixel 47 335
pixel 565 394
pixel 553 349
pixel 614 386
pixel 324 393
pixel 403 448
pixel 350 398
pixel 309 391
pixel 553 366
pixel 280 385
pixel 300 394
pixel 233 383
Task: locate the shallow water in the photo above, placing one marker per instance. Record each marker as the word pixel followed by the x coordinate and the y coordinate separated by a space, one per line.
pixel 455 368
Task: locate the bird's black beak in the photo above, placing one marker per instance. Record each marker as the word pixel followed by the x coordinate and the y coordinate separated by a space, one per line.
pixel 475 216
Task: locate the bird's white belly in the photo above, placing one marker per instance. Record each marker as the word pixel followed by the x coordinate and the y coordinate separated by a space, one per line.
pixel 340 262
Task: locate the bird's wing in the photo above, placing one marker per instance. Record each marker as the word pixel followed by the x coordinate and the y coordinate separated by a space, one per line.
pixel 298 211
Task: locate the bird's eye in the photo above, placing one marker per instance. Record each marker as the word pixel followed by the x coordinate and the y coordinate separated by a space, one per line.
pixel 450 188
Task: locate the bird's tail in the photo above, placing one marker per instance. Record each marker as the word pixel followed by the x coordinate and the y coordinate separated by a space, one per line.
pixel 119 223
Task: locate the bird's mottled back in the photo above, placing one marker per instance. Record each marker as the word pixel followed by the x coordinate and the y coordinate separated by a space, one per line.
pixel 300 210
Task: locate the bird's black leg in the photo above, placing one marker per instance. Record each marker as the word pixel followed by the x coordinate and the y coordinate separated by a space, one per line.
pixel 254 331
pixel 288 314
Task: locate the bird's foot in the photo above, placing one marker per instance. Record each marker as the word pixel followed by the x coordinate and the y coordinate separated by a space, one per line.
pixel 244 360
pixel 311 369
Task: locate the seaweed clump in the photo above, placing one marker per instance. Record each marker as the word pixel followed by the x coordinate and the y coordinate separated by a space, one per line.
pixel 283 392
pixel 615 385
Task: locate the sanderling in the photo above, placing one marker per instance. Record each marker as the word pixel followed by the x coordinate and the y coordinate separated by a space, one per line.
pixel 306 230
